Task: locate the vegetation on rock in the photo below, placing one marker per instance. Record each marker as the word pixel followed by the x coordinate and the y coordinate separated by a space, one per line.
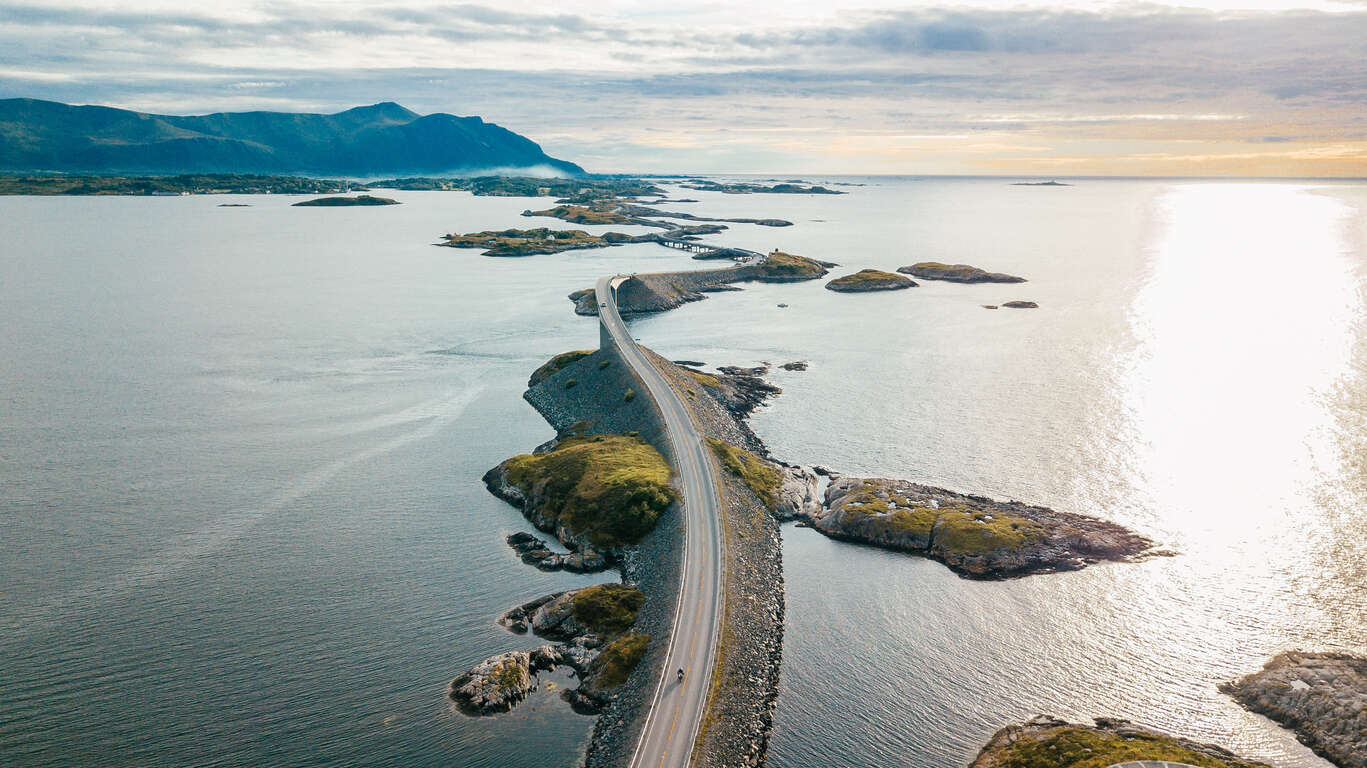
pixel 611 488
pixel 758 475
pixel 197 184
pixel 525 242
pixel 617 661
pixel 556 364
pixel 1054 744
pixel 339 202
pixel 608 609
pixel 871 280
pixel 790 266
pixel 957 273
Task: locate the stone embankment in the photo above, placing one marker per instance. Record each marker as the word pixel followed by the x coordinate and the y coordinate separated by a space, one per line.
pixel 1322 697
pixel 745 689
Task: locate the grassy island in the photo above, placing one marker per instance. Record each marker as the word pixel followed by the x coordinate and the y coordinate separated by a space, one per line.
pixel 580 214
pixel 787 266
pixel 610 488
pixel 526 242
pixel 957 273
pixel 339 202
pixel 1048 743
pixel 870 280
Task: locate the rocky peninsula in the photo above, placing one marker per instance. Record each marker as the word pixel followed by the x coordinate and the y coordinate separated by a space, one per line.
pixel 1322 697
pixel 957 273
pixel 1047 742
pixel 342 202
pixel 977 537
pixel 866 280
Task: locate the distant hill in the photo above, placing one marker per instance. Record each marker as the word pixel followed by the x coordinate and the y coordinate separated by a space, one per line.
pixel 382 139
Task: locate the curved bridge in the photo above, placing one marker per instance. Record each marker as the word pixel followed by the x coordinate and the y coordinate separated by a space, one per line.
pixel 676 709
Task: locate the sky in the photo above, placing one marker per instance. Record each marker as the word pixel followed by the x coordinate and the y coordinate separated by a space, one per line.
pixel 1207 87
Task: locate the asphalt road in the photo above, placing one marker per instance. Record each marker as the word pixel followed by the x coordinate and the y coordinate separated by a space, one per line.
pixel 676 710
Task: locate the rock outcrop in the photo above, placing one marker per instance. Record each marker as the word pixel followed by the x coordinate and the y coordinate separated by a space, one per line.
pixel 1047 742
pixel 957 273
pixel 1320 696
pixel 866 280
pixel 1020 305
pixel 975 536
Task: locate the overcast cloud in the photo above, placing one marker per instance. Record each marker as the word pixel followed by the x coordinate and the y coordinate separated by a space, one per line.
pixel 794 87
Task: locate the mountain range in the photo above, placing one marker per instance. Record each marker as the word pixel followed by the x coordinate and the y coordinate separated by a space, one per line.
pixel 382 139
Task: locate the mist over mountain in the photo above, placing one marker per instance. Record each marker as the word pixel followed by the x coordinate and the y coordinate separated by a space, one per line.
pixel 381 139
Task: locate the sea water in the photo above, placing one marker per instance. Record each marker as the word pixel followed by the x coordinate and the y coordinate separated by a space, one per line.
pixel 241 520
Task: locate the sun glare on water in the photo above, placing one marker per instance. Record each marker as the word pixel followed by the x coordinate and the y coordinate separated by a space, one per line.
pixel 1244 325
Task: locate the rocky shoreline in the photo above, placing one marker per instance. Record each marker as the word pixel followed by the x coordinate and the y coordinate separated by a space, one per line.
pixel 1322 697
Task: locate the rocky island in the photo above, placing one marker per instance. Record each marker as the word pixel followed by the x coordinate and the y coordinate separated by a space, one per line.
pixel 784 188
pixel 866 280
pixel 526 242
pixel 337 202
pixel 1322 697
pixel 662 291
pixel 975 536
pixel 591 627
pixel 1047 742
pixel 1020 305
pixel 956 273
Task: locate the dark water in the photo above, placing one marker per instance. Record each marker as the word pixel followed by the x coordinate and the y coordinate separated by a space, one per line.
pixel 241 520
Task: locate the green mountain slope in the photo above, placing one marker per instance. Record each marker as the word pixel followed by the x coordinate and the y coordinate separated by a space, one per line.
pixel 382 139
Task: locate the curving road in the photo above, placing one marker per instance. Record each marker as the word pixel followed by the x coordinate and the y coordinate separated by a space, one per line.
pixel 676 711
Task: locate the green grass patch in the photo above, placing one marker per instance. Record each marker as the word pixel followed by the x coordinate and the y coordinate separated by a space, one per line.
pixel 608 609
pixel 615 664
pixel 969 531
pixel 556 364
pixel 610 487
pixel 509 675
pixel 758 475
pixel 780 264
pixel 705 379
pixel 1067 747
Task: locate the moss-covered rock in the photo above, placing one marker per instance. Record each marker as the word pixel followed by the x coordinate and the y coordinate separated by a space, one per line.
pixel 761 477
pixel 957 273
pixel 607 609
pixel 975 536
pixel 1046 742
pixel 557 364
pixel 618 660
pixel 866 280
pixel 606 489
pixel 525 242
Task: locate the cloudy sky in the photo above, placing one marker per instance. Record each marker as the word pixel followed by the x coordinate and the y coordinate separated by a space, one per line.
pixel 1209 87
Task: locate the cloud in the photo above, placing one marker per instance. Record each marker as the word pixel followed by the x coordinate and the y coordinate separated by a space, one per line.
pixel 1012 77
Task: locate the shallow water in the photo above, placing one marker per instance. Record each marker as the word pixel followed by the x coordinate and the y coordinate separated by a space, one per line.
pixel 241 450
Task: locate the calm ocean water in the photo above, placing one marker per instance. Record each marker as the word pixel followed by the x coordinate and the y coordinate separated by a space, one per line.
pixel 241 521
